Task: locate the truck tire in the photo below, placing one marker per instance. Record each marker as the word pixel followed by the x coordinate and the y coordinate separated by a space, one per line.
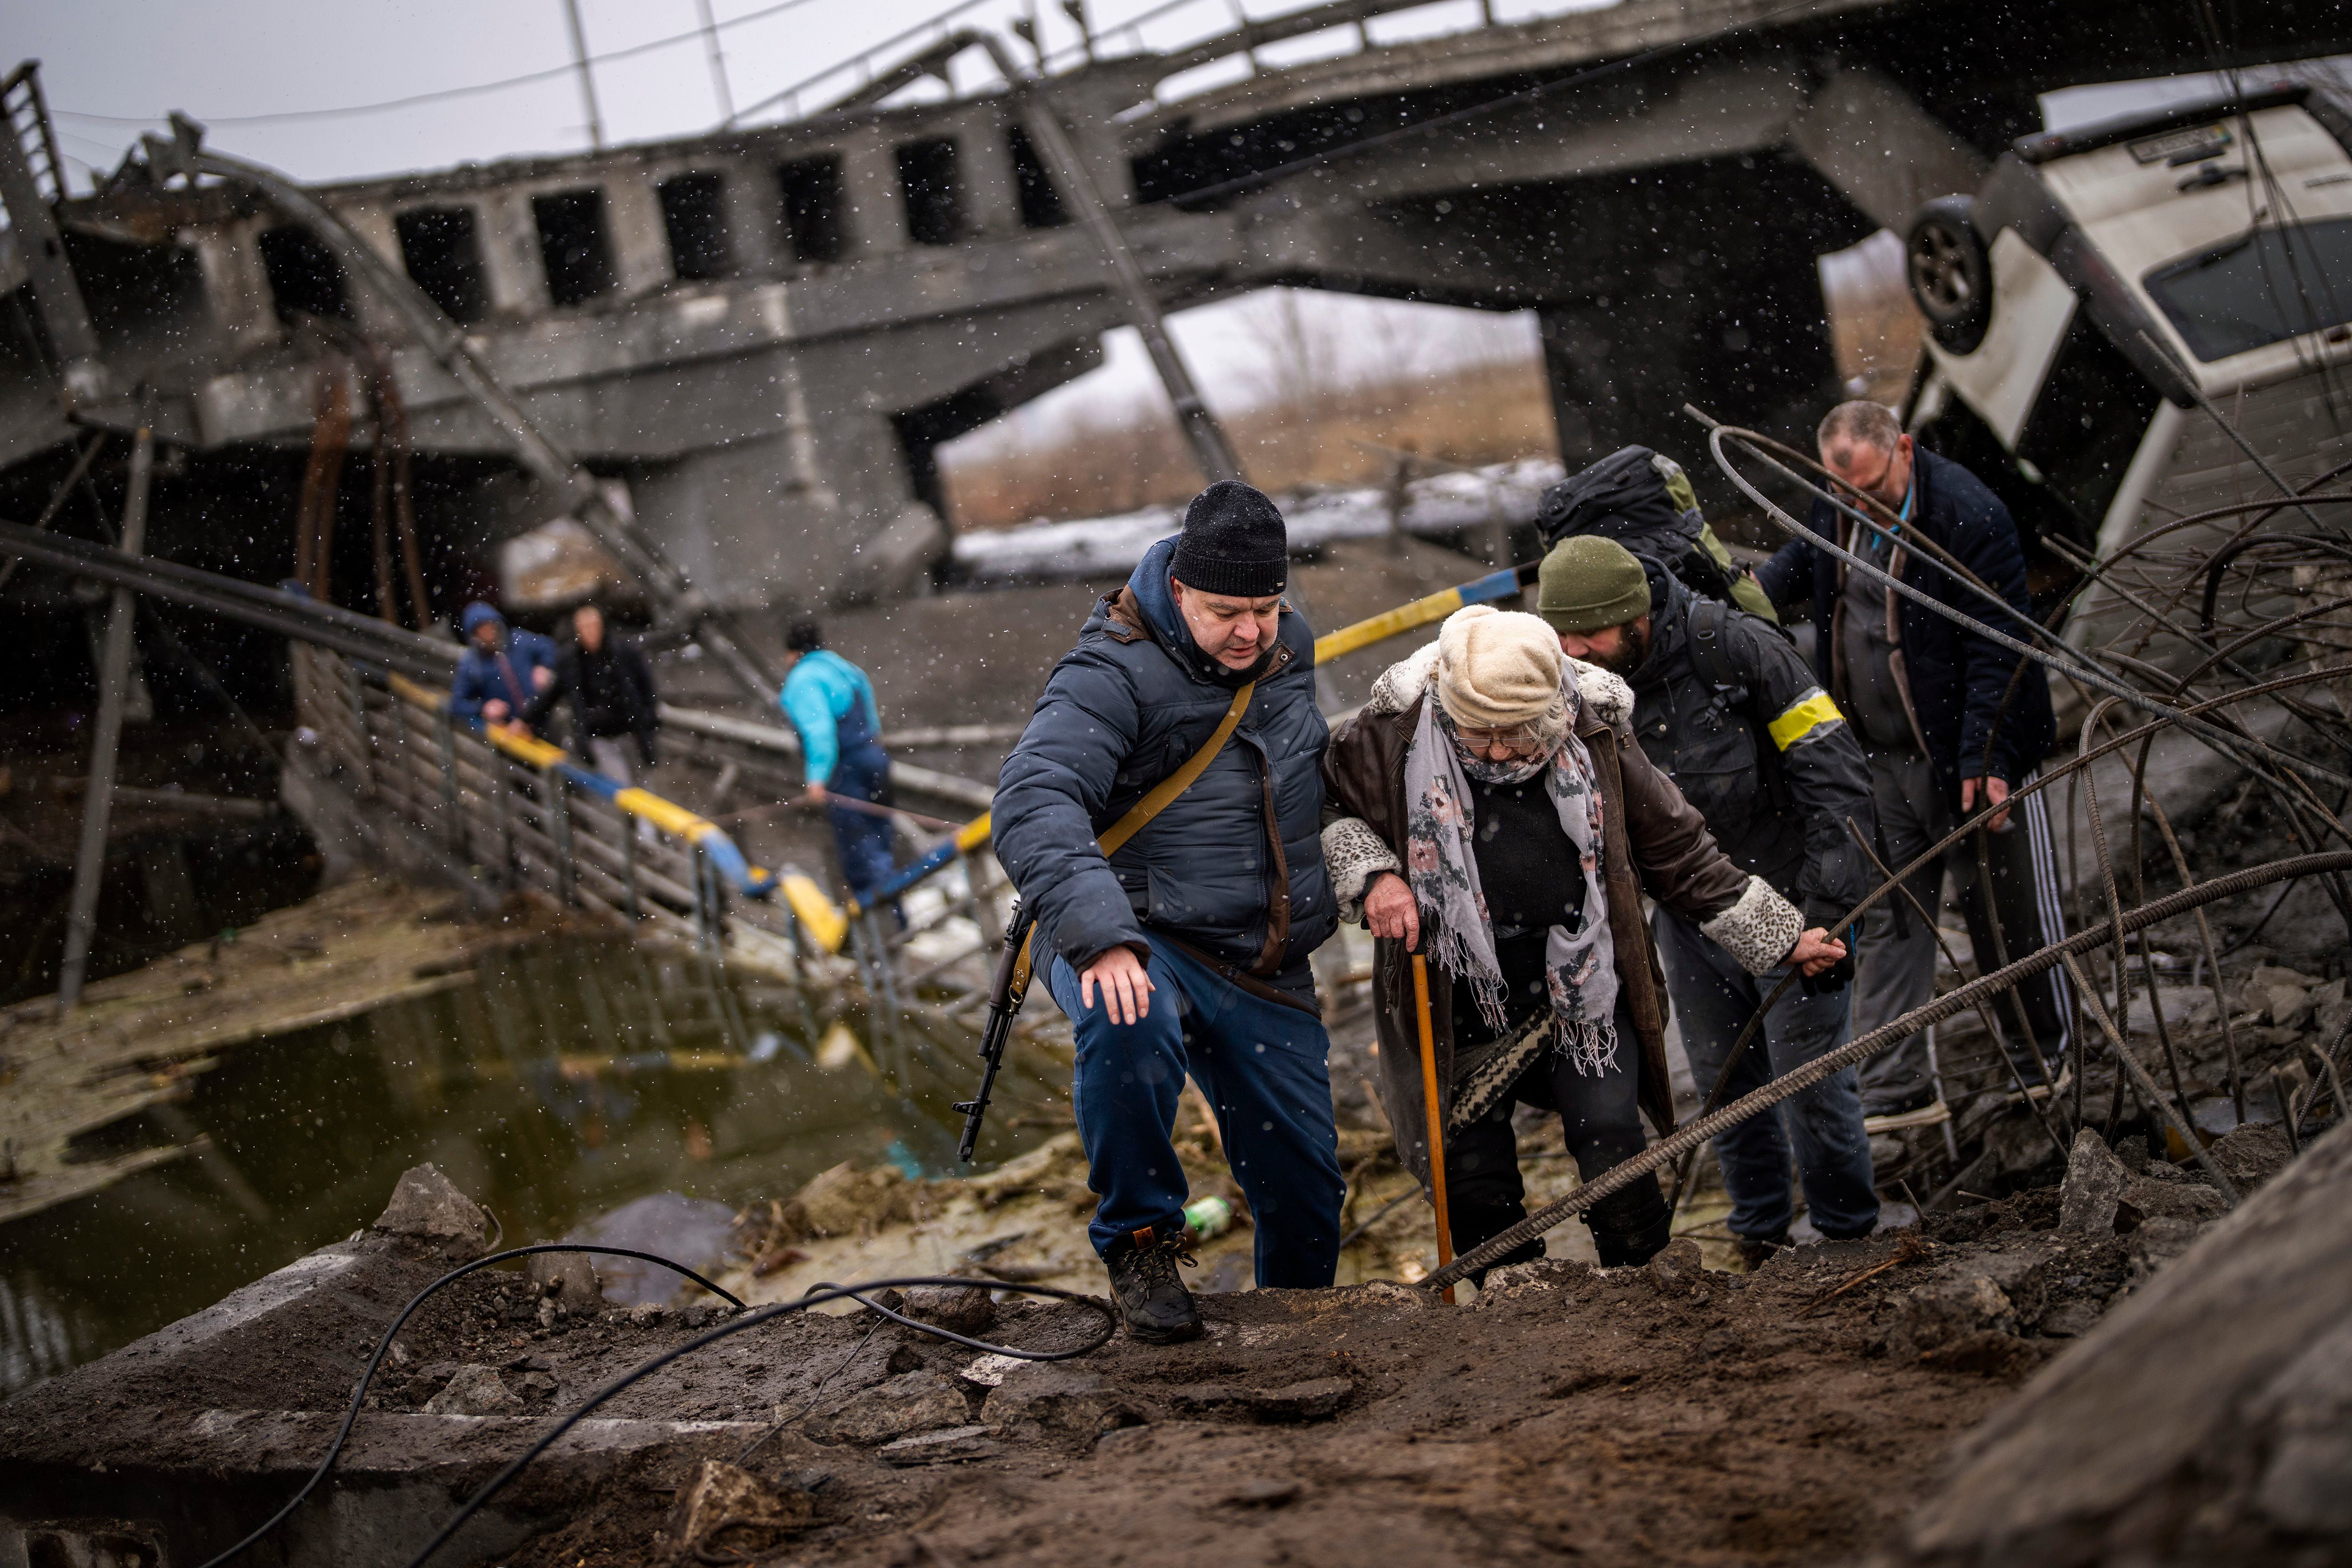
pixel 1949 273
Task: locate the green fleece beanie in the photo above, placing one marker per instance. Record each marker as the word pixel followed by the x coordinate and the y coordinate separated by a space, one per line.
pixel 1589 583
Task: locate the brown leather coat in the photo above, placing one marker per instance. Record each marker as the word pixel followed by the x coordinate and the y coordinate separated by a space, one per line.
pixel 1653 840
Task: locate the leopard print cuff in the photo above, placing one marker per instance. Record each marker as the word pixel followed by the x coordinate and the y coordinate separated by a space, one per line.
pixel 1758 929
pixel 1354 855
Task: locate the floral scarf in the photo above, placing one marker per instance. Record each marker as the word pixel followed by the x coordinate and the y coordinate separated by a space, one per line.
pixel 1442 869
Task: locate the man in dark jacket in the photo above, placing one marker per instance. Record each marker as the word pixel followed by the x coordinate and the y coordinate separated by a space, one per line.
pixel 1186 950
pixel 1728 711
pixel 500 671
pixel 1951 721
pixel 611 690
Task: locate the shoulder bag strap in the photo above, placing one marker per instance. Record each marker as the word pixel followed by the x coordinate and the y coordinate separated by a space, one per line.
pixel 1163 795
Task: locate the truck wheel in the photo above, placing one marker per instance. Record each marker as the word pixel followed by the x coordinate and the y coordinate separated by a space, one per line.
pixel 1949 273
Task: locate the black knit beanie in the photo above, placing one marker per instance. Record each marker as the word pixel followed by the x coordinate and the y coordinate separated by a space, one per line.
pixel 1233 543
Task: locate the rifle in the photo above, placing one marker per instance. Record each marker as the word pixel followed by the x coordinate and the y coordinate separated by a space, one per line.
pixel 1010 989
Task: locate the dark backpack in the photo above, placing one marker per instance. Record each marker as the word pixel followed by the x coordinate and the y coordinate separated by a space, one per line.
pixel 1643 501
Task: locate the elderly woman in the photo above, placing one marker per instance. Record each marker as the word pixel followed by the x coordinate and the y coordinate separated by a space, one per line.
pixel 1488 806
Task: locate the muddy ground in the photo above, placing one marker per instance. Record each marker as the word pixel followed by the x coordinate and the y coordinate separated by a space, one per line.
pixel 1672 1413
pixel 1667 1414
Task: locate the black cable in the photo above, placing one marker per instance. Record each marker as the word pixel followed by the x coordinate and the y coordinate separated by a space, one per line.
pixel 384 1348
pixel 817 1296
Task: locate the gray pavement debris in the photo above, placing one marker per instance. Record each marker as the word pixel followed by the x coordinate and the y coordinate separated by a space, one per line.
pixel 954 1446
pixel 912 1402
pixel 2093 1188
pixel 1676 1266
pixel 426 1207
pixel 569 1279
pixel 1948 1309
pixel 1054 1398
pixel 726 1514
pixel 963 1310
pixel 2252 1155
pixel 475 1390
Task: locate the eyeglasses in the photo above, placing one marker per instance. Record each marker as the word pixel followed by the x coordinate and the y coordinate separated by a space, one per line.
pixel 1512 737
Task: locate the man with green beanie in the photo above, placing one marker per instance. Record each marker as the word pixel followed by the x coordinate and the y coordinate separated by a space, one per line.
pixel 1728 711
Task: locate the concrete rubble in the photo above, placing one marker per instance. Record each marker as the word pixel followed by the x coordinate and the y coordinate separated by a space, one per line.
pixel 1330 1425
pixel 2235 1452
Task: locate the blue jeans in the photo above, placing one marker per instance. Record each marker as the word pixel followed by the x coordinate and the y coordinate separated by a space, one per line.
pixel 1265 1070
pixel 864 838
pixel 1715 998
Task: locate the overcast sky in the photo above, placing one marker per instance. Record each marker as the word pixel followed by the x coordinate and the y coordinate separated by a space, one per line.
pixel 111 67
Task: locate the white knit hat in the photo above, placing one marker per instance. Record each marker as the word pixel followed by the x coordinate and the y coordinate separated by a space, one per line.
pixel 1496 668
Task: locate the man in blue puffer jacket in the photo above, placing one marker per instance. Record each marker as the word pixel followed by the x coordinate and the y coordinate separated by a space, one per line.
pixel 1186 950
pixel 500 671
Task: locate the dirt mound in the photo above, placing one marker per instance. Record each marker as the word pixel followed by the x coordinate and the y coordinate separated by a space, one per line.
pixel 1669 1413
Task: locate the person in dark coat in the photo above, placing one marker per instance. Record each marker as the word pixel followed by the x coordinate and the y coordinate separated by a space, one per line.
pixel 1186 950
pixel 500 671
pixel 611 687
pixel 1951 721
pixel 1731 712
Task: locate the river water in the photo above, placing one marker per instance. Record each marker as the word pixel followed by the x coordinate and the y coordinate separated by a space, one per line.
pixel 573 1080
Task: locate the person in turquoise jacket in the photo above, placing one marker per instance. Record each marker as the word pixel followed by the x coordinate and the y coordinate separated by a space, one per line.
pixel 831 703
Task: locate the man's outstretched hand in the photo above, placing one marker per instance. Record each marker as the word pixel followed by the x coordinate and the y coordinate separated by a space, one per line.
pixel 1391 911
pixel 1125 985
pixel 1816 950
pixel 1995 792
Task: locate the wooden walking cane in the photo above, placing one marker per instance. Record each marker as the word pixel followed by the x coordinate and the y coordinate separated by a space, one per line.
pixel 1436 1115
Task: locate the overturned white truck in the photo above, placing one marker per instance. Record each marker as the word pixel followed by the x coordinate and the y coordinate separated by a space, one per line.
pixel 2103 284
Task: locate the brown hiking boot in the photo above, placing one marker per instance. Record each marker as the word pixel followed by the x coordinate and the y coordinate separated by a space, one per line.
pixel 1152 1300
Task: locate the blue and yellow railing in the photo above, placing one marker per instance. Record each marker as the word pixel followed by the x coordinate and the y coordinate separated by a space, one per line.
pixel 723 855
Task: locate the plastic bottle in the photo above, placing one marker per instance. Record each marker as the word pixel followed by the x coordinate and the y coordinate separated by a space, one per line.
pixel 1206 1218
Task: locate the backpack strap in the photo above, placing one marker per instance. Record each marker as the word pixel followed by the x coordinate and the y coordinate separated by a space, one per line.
pixel 1710 650
pixel 1709 654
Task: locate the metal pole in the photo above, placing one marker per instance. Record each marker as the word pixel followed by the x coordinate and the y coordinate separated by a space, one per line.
pixel 113 683
pixel 718 61
pixel 457 826
pixel 629 871
pixel 402 770
pixel 558 810
pixel 1211 449
pixel 587 77
pixel 357 698
pixel 502 813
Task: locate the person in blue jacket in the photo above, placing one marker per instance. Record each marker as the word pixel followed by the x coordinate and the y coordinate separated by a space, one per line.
pixel 500 671
pixel 1186 950
pixel 831 703
pixel 1950 722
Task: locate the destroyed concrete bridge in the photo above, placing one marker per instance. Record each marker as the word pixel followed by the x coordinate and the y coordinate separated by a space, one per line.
pixel 768 331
